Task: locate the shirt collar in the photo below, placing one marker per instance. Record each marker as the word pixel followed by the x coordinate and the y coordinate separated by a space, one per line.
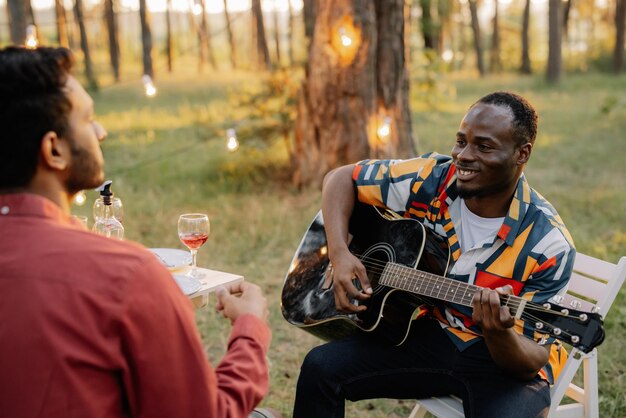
pixel 519 205
pixel 32 205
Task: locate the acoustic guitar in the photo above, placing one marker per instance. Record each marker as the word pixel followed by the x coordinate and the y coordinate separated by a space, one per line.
pixel 406 265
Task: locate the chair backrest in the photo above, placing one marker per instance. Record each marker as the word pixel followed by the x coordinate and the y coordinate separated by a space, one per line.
pixel 595 283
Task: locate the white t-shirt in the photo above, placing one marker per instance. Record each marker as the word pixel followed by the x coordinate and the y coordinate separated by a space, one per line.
pixel 474 229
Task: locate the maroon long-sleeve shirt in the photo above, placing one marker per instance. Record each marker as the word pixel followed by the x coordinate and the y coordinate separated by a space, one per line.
pixel 94 327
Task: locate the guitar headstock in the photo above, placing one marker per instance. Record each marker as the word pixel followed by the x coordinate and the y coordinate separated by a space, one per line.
pixel 583 330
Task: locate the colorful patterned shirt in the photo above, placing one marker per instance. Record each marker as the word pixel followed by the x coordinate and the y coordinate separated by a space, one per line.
pixel 533 251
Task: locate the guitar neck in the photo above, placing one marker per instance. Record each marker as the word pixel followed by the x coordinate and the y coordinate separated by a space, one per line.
pixel 423 283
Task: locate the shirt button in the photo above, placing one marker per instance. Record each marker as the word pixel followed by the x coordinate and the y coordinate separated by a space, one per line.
pixel 4 210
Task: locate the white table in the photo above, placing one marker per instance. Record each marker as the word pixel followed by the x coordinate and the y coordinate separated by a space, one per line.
pixel 211 280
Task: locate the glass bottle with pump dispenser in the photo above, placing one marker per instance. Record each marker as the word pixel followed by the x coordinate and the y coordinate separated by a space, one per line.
pixel 105 221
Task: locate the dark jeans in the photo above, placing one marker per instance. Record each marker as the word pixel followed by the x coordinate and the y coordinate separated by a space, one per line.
pixel 427 364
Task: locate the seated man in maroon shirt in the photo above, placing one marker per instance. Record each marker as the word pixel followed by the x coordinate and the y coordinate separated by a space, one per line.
pixel 94 327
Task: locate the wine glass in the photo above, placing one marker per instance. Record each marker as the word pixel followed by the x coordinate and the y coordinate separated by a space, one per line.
pixel 193 231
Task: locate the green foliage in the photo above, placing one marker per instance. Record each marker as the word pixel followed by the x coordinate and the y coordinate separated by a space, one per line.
pixel 269 108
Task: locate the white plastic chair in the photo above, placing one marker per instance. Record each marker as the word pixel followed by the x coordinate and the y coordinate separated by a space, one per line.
pixel 594 283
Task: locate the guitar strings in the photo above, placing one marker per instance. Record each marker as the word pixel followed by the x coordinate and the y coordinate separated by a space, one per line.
pixel 378 266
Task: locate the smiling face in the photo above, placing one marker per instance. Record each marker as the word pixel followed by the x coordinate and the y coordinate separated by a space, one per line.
pixel 86 169
pixel 488 158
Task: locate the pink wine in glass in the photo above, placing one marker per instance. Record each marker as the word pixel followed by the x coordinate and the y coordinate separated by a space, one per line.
pixel 194 241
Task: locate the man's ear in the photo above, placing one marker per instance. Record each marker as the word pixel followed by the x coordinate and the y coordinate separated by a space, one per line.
pixel 54 152
pixel 524 153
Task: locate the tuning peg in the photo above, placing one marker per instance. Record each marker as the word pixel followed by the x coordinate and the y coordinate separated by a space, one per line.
pixel 576 304
pixel 575 339
pixel 558 299
pixel 583 317
pixel 556 331
pixel 547 305
pixel 565 311
pixel 538 325
pixel 595 309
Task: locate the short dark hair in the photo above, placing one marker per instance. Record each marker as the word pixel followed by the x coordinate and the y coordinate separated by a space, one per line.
pixel 32 103
pixel 525 117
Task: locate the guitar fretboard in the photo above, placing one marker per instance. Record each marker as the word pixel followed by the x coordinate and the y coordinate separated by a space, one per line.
pixel 423 283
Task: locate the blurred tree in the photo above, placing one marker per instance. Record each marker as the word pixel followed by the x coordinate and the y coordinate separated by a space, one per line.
pixel 61 22
pixel 353 103
pixel 525 67
pixel 276 34
pixel 478 45
pixel 428 25
pixel 114 43
pixel 553 72
pixel 16 12
pixel 146 38
pixel 262 51
pixel 92 82
pixel 495 61
pixel 231 37
pixel 168 36
pixel 290 35
pixel 206 37
pixel 620 22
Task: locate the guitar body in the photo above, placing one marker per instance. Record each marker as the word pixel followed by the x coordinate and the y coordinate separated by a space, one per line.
pixel 308 301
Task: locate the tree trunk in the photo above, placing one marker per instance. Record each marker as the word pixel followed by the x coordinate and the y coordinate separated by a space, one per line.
pixel 567 6
pixel 276 35
pixel 231 37
pixel 352 89
pixel 207 40
pixel 168 36
pixel 428 26
pixel 525 68
pixel 620 23
pixel 146 38
pixel 495 61
pixel 478 45
pixel 309 12
pixel 114 43
pixel 16 11
pixel 61 21
pixel 92 83
pixel 263 53
pixel 290 35
pixel 553 73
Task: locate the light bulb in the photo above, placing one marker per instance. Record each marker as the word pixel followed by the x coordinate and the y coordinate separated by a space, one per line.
pixel 148 85
pixel 31 37
pixel 345 39
pixel 232 143
pixel 80 198
pixel 384 129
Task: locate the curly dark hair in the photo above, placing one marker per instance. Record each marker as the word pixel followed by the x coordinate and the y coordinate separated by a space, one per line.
pixel 525 117
pixel 32 103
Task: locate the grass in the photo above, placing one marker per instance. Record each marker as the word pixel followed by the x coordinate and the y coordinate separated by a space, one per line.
pixel 167 156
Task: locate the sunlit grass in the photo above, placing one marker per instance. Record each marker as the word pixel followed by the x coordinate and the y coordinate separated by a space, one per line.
pixel 167 156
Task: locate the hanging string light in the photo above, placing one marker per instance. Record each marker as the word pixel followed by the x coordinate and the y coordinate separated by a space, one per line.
pixel 233 143
pixel 148 85
pixel 31 37
pixel 346 40
pixel 80 198
pixel 384 129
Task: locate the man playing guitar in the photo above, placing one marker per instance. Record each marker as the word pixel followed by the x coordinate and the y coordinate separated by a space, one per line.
pixel 503 237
